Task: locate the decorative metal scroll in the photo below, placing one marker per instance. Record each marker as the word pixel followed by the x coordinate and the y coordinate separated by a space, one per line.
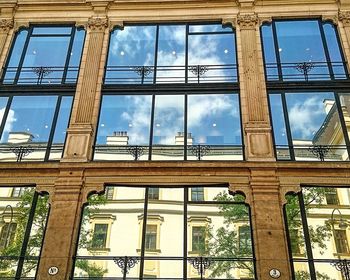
pixel 41 72
pixel 320 151
pixel 198 70
pixel 305 68
pixel 136 151
pixel 343 266
pixel 125 263
pixel 201 264
pixel 199 150
pixel 21 152
pixel 142 71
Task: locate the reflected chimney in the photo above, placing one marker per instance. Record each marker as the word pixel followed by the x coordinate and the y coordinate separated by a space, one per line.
pixel 19 137
pixel 180 138
pixel 328 104
pixel 119 138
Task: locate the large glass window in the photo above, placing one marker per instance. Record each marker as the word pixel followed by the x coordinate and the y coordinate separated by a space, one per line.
pixel 32 60
pixel 302 50
pixel 166 238
pixel 310 125
pixel 154 127
pixel 33 127
pixel 22 226
pixel 154 54
pixel 318 233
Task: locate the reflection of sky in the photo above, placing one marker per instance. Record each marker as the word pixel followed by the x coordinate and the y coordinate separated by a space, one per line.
pixel 135 45
pixel 31 114
pixel 214 119
pixel 306 114
pixel 63 119
pixel 125 113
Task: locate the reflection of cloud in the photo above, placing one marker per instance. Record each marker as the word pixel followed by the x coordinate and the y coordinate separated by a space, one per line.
pixel 138 118
pixel 10 119
pixel 304 117
pixel 202 107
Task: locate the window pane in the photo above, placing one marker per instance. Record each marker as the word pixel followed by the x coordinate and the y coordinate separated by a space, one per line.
pixel 314 120
pixel 12 234
pixel 298 42
pixel 219 56
pixel 28 123
pixel 198 28
pixel 334 51
pixel 52 30
pixel 214 120
pixel 124 121
pixel 39 54
pixel 130 47
pixel 171 54
pixel 75 56
pixel 269 52
pixel 61 128
pixel 15 57
pixel 168 120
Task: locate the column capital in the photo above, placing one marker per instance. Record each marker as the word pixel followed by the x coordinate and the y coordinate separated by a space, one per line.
pixel 98 24
pixel 344 17
pixel 6 24
pixel 247 21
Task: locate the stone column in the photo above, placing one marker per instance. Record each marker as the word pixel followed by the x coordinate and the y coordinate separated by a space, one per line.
pixel 344 32
pixel 270 243
pixel 63 224
pixel 81 131
pixel 256 124
pixel 6 31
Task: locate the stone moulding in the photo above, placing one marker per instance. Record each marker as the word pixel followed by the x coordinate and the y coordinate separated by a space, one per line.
pixel 247 21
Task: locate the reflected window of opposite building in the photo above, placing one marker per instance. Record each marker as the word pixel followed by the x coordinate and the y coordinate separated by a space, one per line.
pixel 197 194
pixel 99 239
pixel 245 241
pixel 198 239
pixel 7 235
pixel 332 196
pixel 341 241
pixel 153 193
pixel 151 237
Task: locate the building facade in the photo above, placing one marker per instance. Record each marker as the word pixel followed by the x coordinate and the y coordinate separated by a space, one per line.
pixel 174 139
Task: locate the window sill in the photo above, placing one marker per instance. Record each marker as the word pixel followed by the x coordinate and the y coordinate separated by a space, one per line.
pixel 341 254
pixel 99 250
pixel 154 251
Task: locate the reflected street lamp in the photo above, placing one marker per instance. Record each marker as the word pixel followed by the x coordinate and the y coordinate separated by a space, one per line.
pixel 3 223
pixel 341 265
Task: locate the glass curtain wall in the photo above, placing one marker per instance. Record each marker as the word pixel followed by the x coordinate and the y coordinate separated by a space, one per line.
pixel 23 218
pixel 170 237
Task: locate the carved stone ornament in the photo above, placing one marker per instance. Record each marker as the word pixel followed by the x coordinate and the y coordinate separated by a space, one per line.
pixel 97 23
pixel 247 21
pixel 345 17
pixel 6 24
pixel 331 18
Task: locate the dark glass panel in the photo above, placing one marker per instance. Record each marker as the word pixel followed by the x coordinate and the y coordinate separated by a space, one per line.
pixel 75 56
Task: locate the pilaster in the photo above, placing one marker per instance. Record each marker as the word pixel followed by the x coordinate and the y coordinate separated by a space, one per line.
pixel 6 31
pixel 256 124
pixel 62 228
pixel 270 242
pixel 344 30
pixel 87 99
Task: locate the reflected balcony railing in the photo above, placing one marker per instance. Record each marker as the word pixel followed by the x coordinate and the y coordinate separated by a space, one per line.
pixel 40 75
pixel 191 74
pixel 199 267
pixel 335 269
pixel 312 152
pixel 168 152
pixel 30 152
pixel 306 71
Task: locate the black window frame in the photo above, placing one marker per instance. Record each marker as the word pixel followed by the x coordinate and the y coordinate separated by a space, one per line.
pixel 144 69
pixel 40 75
pixel 188 254
pixel 279 82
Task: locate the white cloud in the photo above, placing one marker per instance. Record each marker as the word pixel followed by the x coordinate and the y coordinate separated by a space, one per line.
pixel 305 117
